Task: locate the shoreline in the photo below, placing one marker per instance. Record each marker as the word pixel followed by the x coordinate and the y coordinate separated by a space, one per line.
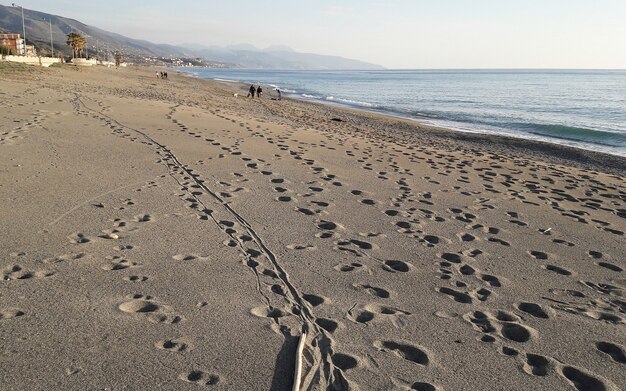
pixel 409 127
pixel 573 152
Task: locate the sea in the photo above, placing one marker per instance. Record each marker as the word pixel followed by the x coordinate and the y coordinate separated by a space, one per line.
pixel 579 108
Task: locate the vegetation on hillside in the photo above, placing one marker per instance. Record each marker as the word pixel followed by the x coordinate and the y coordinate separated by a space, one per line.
pixel 77 42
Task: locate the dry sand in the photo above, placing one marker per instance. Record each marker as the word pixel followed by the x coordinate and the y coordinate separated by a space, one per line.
pixel 167 235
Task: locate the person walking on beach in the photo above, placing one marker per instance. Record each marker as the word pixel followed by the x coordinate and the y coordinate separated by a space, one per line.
pixel 158 76
pixel 259 91
pixel 252 92
pixel 279 94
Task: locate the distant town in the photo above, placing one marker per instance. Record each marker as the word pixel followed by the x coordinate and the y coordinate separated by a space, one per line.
pixel 13 47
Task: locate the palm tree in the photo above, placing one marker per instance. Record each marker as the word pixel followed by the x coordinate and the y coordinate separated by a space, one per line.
pixel 118 59
pixel 77 42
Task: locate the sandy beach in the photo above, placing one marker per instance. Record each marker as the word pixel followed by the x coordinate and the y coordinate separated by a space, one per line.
pixel 167 234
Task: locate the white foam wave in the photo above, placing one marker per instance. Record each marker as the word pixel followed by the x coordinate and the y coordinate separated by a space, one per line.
pixel 276 87
pixel 349 101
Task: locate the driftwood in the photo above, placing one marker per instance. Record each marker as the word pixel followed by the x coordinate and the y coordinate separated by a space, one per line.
pixel 298 371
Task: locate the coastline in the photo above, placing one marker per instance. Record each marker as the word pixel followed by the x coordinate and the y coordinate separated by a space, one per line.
pixel 166 234
pixel 527 125
pixel 407 127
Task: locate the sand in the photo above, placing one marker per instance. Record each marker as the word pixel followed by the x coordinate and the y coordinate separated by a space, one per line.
pixel 168 235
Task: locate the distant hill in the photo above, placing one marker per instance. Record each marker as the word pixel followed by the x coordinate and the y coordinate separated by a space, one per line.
pixel 279 57
pixel 38 33
pixel 135 50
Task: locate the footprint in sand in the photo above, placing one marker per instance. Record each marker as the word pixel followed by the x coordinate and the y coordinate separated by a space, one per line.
pixel 362 245
pixel 533 309
pixel 327 324
pixel 307 212
pixel 405 350
pixel 189 257
pixel 373 290
pixel 370 312
pixel 10 313
pixel 328 225
pixel 344 361
pixel 78 238
pixel 354 266
pixel 585 381
pixel 431 240
pixel 134 278
pixel 123 247
pixel 269 312
pixel 595 254
pixel 16 272
pixel 422 386
pixel 610 266
pixel 541 366
pixel 459 297
pixel 154 311
pixel 558 270
pixel 173 345
pixel 110 235
pixel 538 254
pixel 504 324
pixel 65 258
pixel 143 218
pixel 563 242
pixel 117 263
pixel 614 351
pixel 452 258
pixel 308 247
pixel 397 266
pixel 200 378
pixel 315 300
pixel 537 365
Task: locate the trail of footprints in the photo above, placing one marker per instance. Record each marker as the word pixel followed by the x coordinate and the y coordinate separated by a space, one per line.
pixel 366 313
pixel 502 327
pixel 506 326
pixel 410 215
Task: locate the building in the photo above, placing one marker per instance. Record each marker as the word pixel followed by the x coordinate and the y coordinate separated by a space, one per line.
pixel 14 43
pixel 30 51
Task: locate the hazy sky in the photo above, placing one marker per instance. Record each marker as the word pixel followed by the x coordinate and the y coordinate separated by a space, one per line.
pixel 393 33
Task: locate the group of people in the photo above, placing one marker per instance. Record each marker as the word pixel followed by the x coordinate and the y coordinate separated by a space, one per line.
pixel 161 75
pixel 255 90
pixel 258 91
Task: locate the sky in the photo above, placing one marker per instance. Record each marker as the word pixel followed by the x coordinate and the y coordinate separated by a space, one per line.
pixel 393 33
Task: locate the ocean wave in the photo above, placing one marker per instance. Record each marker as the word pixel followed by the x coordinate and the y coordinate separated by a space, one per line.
pixel 226 80
pixel 419 114
pixel 282 89
pixel 574 133
pixel 311 96
pixel 349 101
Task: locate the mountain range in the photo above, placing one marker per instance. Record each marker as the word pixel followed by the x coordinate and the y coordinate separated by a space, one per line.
pixel 277 57
pixel 39 26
